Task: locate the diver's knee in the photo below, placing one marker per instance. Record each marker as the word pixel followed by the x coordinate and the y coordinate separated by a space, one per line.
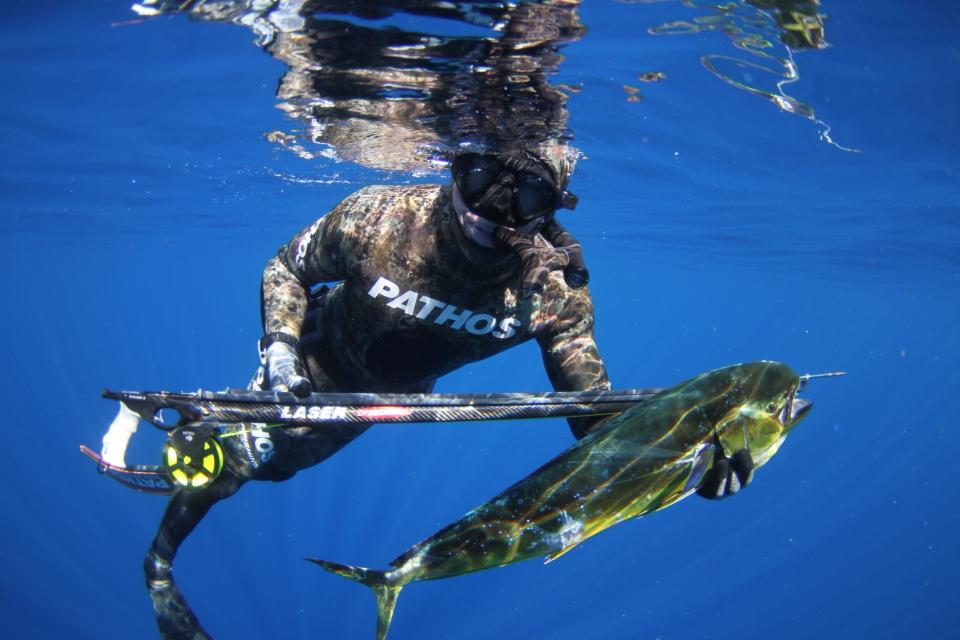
pixel 258 452
pixel 157 571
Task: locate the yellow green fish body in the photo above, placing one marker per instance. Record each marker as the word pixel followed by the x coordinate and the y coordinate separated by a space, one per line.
pixel 643 460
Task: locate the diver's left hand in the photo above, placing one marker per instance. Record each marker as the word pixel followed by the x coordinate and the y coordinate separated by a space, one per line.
pixel 727 475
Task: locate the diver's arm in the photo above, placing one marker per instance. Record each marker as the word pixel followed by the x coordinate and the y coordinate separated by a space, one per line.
pixel 283 306
pixel 571 357
pixel 283 298
pixel 313 256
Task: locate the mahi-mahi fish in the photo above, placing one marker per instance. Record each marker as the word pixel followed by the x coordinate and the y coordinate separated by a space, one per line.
pixel 640 461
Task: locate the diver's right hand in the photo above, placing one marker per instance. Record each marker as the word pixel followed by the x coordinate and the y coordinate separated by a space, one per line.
pixel 282 361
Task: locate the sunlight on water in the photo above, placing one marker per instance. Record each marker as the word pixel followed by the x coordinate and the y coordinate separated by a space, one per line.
pixel 758 27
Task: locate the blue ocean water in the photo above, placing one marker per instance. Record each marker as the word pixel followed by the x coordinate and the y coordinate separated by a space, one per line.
pixel 141 201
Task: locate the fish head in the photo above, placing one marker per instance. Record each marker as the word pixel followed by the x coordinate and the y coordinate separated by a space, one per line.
pixel 765 407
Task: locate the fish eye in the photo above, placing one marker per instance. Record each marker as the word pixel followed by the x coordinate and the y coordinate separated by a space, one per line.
pixel 771 408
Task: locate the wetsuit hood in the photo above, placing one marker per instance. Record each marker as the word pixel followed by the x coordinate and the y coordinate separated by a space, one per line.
pixel 561 159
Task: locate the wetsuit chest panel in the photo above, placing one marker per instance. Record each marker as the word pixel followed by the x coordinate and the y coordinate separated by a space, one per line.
pixel 479 313
pixel 424 330
pixel 405 315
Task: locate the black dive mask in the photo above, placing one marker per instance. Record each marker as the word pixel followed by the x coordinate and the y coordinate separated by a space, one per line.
pixel 508 188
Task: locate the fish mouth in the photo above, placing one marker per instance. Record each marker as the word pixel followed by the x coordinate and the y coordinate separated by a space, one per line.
pixel 799 408
pixel 794 408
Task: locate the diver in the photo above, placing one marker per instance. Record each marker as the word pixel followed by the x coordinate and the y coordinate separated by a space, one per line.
pixel 428 278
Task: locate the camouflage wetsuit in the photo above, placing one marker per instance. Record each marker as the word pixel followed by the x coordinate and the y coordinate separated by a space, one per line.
pixel 410 306
pixel 415 300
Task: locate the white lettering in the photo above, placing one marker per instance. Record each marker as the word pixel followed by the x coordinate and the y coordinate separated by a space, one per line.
pixel 429 304
pixel 383 287
pixel 481 324
pixel 304 245
pixel 262 442
pixel 307 414
pixel 333 413
pixel 457 320
pixel 478 324
pixel 407 302
pixel 506 328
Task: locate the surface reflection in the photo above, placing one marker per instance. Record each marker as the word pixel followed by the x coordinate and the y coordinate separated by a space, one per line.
pixel 769 32
pixel 396 85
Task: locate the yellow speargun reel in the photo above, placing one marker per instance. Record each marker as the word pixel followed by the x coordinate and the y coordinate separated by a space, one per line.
pixel 192 457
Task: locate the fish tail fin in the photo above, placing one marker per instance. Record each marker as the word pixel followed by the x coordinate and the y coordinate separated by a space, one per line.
pixel 385 590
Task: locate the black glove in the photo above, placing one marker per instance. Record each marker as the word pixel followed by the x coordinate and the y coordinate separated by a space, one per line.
pixel 279 354
pixel 575 273
pixel 538 259
pixel 727 475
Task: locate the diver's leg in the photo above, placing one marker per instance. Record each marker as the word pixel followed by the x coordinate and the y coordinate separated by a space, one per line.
pixel 256 452
pixel 184 512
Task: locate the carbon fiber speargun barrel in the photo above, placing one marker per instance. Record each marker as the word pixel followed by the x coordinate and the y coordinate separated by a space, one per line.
pixel 233 406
